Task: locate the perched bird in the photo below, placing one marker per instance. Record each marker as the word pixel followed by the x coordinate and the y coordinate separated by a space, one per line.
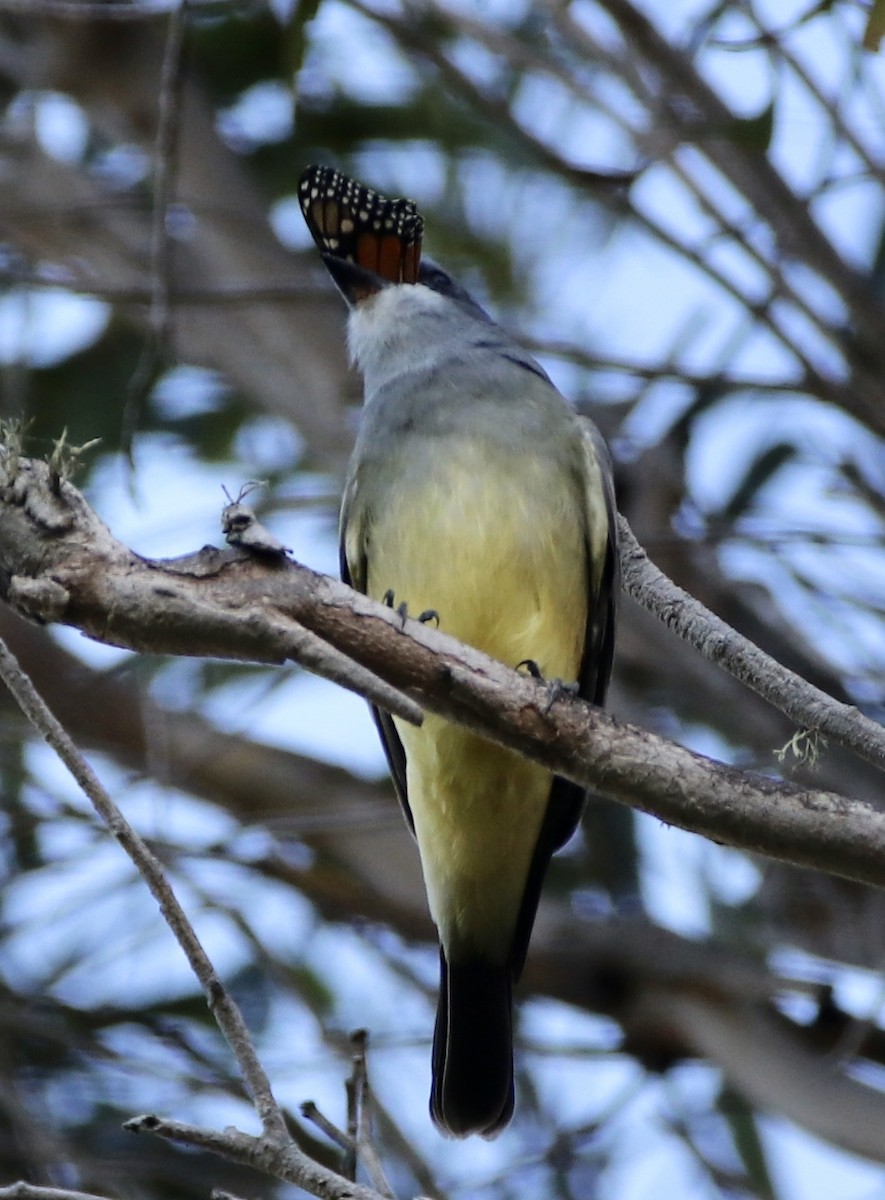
pixel 474 491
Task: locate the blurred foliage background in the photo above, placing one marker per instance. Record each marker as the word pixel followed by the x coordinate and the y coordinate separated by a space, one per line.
pixel 680 207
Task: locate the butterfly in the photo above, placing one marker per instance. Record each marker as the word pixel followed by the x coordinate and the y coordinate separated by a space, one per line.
pixel 351 221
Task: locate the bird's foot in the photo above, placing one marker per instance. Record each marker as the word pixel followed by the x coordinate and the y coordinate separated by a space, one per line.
pixel 402 609
pixel 531 668
pixel 559 690
pixel 558 687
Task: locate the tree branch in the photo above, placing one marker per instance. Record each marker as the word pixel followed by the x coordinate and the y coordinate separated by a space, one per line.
pixel 62 564
pixel 281 1160
pixel 801 701
pixel 161 248
pixel 274 1151
pixel 32 1191
pixel 226 1013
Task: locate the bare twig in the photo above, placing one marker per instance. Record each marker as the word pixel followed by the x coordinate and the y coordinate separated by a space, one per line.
pixel 159 316
pixel 801 701
pixel 356 1142
pixel 749 171
pixel 677 98
pixel 274 1151
pixel 164 168
pixel 282 1159
pixel 832 107
pixel 337 1136
pixel 103 10
pixel 668 369
pixel 496 110
pixel 359 1114
pixel 226 1013
pixel 177 295
pixel 325 660
pixel 355 1097
pixel 861 395
pixel 32 1191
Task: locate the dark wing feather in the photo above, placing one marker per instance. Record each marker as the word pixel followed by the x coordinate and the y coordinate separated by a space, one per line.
pixel 393 747
pixel 473 1048
pixel 603 584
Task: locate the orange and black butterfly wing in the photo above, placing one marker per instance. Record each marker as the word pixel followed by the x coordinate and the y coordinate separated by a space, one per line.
pixel 350 221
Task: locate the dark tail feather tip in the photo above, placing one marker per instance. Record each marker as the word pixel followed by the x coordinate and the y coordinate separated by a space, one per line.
pixel 473 1049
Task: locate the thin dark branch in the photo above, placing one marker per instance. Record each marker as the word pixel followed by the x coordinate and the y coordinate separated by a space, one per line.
pixel 830 106
pixel 177 295
pixel 861 395
pixel 652 372
pixel 273 1151
pixel 103 10
pixel 497 111
pixel 165 169
pixel 679 101
pixel 161 250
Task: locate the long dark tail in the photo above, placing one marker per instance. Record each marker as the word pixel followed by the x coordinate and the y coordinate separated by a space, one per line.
pixel 473 1049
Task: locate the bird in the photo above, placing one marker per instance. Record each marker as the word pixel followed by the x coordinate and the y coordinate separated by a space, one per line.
pixel 477 493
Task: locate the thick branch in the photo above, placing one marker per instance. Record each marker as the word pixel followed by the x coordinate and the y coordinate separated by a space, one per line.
pixel 62 564
pixel 273 1151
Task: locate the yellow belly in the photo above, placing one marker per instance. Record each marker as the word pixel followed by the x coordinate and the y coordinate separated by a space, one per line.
pixel 500 555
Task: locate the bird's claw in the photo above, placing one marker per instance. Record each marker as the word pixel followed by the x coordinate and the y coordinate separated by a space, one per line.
pixel 558 687
pixel 402 609
pixel 531 668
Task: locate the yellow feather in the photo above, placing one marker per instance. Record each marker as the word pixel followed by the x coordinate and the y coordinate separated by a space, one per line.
pixel 497 548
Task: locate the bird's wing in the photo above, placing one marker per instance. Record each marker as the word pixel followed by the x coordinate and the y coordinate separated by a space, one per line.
pixel 605 566
pixel 352 564
pixel 603 584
